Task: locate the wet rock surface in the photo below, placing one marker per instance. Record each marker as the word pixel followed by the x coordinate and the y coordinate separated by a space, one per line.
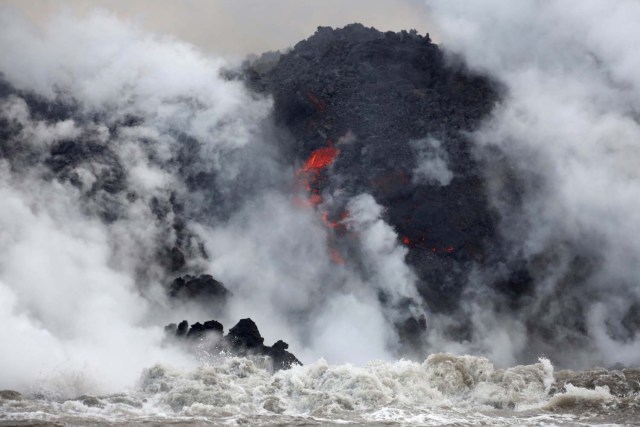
pixel 243 339
pixel 203 288
pixel 620 382
pixel 10 395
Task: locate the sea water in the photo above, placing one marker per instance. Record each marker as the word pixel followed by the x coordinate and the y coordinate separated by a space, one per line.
pixel 443 390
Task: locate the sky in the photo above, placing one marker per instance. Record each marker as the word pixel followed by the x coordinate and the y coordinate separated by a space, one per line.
pixel 256 25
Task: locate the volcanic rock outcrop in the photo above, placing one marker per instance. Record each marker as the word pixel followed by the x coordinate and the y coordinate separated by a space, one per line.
pixel 243 339
pixel 203 288
pixel 395 113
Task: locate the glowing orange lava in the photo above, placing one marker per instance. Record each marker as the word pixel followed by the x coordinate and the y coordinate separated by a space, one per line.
pixel 310 174
pixel 335 224
pixel 310 177
pixel 335 256
pixel 321 158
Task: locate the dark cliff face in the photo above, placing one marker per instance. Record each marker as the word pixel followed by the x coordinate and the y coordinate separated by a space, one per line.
pixel 398 113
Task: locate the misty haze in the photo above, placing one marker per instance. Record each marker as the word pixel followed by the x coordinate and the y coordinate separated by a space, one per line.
pixel 393 212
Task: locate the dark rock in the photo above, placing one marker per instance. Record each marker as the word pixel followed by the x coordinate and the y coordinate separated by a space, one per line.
pixel 282 359
pixel 411 332
pixel 178 260
pixel 10 395
pixel 182 329
pixel 199 330
pixel 280 345
pixel 394 94
pixel 90 401
pixel 213 325
pixel 245 335
pixel 203 288
pixel 621 383
pixel 243 339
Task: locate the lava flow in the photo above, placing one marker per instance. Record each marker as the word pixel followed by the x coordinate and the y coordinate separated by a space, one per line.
pixel 421 242
pixel 338 223
pixel 311 173
pixel 311 176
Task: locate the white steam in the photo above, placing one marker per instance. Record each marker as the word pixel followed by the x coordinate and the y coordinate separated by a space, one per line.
pixel 85 295
pixel 275 258
pixel 79 295
pixel 63 307
pixel 432 167
pixel 569 123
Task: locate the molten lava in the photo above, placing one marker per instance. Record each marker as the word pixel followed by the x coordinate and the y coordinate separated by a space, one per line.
pixel 336 224
pixel 421 242
pixel 335 256
pixel 321 158
pixel 310 176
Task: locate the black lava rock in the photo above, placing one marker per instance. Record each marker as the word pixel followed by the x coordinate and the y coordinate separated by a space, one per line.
pixel 198 330
pixel 243 339
pixel 182 329
pixel 203 288
pixel 389 102
pixel 282 359
pixel 245 336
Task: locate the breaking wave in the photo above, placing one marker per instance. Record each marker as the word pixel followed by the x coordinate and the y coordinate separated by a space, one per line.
pixel 443 389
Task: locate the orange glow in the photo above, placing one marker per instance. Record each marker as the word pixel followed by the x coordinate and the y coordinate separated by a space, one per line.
pixel 337 223
pixel 321 158
pixel 406 240
pixel 335 256
pixel 310 176
pixel 315 199
pixel 317 102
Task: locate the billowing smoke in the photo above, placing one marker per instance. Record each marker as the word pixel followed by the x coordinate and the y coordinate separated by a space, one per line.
pixel 125 153
pixel 562 150
pixel 431 162
pixel 90 139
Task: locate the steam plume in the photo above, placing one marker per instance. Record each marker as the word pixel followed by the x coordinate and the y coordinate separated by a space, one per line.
pixel 568 126
pixel 164 130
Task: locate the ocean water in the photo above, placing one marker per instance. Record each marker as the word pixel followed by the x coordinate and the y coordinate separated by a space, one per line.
pixel 443 390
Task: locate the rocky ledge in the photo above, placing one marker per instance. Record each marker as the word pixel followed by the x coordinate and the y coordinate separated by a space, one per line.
pixel 243 339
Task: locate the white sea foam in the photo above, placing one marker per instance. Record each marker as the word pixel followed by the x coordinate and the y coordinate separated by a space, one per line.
pixel 444 389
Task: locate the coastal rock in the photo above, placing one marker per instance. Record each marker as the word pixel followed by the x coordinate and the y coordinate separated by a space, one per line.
pixel 198 330
pixel 10 395
pixel 244 336
pixel 621 383
pixel 243 339
pixel 203 289
pixel 282 359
